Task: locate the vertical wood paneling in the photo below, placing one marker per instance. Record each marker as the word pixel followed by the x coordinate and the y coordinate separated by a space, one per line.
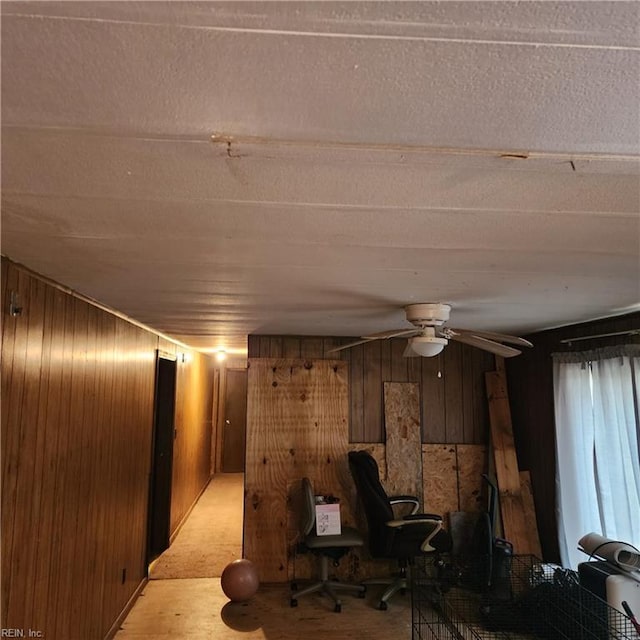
pixel 372 393
pixel 399 371
pixel 414 370
pixel 312 348
pixel 42 503
pixel 433 412
pixel 77 407
pixel 275 347
pixel 385 360
pixel 54 479
pixel 82 432
pixel 65 497
pixel 453 392
pixel 453 406
pixel 101 453
pixel 356 394
pixel 481 363
pixel 290 348
pixel 13 370
pixel 468 357
pixel 193 441
pixel 22 565
pixel 331 343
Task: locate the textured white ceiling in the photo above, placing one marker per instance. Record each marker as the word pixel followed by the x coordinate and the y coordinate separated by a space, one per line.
pixel 219 169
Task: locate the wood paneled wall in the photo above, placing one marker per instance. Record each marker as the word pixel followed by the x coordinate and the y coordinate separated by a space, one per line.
pixel 192 446
pixel 453 397
pixel 530 378
pixel 77 413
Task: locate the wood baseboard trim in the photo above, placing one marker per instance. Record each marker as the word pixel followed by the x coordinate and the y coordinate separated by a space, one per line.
pixel 180 524
pixel 115 627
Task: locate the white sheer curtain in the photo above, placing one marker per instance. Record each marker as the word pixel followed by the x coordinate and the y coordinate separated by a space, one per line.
pixel 598 459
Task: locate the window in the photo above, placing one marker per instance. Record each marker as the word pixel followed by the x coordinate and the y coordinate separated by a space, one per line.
pixel 598 457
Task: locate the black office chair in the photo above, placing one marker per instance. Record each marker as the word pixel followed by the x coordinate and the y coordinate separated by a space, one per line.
pixel 326 547
pixel 390 537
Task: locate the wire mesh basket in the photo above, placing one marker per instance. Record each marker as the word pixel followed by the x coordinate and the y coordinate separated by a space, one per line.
pixel 523 599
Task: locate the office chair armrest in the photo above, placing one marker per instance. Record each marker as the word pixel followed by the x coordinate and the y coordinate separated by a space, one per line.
pixel 424 516
pixel 413 521
pixel 393 500
pixel 426 545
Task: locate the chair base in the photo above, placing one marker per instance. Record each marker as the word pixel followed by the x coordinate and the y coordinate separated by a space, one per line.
pixel 328 587
pixel 401 583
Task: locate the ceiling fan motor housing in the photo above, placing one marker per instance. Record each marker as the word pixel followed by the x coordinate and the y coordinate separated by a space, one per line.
pixel 427 314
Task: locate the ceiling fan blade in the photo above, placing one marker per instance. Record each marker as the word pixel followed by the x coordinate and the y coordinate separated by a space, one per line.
pixel 349 345
pixel 409 352
pixel 393 333
pixel 487 345
pixel 492 335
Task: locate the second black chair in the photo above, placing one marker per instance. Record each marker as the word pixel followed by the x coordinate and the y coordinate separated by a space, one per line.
pixel 391 537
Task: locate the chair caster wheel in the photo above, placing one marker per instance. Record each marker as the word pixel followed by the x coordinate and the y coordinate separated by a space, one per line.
pixel 293 602
pixel 383 605
pixel 338 608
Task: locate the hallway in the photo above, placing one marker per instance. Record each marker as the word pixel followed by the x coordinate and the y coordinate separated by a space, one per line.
pixel 183 599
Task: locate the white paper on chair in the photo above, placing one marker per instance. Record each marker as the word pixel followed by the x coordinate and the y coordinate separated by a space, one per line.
pixel 328 520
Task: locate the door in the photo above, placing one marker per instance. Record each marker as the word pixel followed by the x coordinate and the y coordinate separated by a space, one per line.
pixel 235 421
pixel 159 522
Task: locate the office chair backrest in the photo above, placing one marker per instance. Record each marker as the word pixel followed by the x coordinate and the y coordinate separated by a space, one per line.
pixel 372 494
pixel 308 507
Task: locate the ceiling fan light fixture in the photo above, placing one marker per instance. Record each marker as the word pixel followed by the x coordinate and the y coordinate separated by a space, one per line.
pixel 428 346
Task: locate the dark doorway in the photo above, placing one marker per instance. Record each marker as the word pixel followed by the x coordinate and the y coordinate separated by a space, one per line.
pixel 235 421
pixel 159 525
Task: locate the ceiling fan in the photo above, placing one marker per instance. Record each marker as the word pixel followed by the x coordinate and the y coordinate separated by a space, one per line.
pixel 428 337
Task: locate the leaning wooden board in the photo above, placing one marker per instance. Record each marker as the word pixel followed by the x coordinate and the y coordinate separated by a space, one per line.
pixel 515 526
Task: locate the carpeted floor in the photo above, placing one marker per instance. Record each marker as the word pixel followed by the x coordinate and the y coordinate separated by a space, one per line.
pixel 194 607
pixel 212 535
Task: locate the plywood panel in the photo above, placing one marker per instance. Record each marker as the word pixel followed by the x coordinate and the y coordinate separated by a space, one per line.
pixel 472 462
pixel 439 469
pixel 403 439
pixel 297 426
pixel 357 427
